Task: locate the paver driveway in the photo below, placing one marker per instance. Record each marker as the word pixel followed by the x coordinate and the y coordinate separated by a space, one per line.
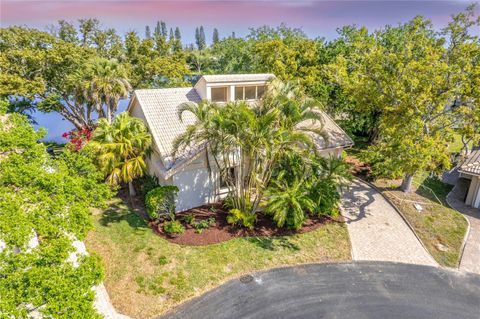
pixel 377 231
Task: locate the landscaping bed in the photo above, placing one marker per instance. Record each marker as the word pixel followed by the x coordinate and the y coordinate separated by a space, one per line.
pixel 220 230
pixel 146 275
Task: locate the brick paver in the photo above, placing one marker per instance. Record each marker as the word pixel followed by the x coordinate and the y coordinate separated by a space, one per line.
pixel 377 231
pixel 471 254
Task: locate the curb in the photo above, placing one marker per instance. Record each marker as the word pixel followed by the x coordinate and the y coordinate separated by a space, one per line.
pixel 401 215
pixel 467 233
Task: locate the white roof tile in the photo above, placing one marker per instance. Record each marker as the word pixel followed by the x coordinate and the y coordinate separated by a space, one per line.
pixel 471 165
pixel 238 77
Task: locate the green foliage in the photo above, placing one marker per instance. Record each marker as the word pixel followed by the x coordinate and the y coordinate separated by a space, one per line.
pixel 173 227
pixel 244 219
pixel 47 199
pixel 121 147
pixel 145 184
pixel 204 224
pixel 160 202
pixel 189 219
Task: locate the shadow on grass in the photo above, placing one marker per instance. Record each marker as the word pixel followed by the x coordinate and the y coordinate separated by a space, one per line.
pixel 434 189
pixel 117 213
pixel 273 243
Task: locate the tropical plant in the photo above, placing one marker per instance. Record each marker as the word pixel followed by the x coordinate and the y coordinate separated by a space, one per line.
pixel 173 227
pixel 121 147
pixel 160 202
pixel 106 84
pixel 241 218
pixel 252 138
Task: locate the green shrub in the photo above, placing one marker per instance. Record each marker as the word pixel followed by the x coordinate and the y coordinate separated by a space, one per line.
pixel 145 184
pixel 189 219
pixel 326 197
pixel 173 227
pixel 204 224
pixel 237 217
pixel 160 202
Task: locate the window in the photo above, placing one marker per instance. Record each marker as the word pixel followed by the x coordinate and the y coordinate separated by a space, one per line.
pixel 249 92
pixel 231 177
pixel 219 94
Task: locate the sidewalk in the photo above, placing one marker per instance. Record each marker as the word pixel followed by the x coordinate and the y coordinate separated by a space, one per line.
pixel 377 231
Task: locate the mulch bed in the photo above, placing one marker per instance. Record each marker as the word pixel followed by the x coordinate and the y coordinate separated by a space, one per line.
pixel 359 168
pixel 222 231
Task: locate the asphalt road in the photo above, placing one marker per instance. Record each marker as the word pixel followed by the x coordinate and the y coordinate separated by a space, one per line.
pixel 351 290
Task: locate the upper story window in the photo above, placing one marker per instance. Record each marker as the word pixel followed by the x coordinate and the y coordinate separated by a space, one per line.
pixel 219 94
pixel 251 92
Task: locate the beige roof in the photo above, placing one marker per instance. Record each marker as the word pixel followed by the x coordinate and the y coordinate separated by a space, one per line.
pixel 471 165
pixel 160 109
pixel 238 77
pixel 336 137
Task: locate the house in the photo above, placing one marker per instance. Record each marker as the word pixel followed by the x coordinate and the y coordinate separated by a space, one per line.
pixel 470 170
pixel 189 171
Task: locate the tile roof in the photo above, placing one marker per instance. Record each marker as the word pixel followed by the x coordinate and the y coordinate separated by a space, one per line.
pixel 238 77
pixel 471 165
pixel 160 109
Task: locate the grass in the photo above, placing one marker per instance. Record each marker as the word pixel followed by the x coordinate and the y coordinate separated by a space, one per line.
pixel 440 228
pixel 147 275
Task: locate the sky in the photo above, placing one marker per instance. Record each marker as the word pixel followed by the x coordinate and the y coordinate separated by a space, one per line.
pixel 316 18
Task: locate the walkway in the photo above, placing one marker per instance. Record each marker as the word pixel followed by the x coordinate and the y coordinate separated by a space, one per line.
pixel 471 254
pixel 377 231
pixel 360 290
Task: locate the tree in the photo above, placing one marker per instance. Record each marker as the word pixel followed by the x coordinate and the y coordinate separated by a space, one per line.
pixel 163 29
pixel 88 27
pixel 148 34
pixel 215 37
pixel 202 42
pixel 402 73
pixel 121 147
pixel 177 45
pixel 252 138
pixel 38 277
pixel 107 84
pixel 67 32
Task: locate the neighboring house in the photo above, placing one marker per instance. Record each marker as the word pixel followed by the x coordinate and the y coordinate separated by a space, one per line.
pixel 189 171
pixel 470 169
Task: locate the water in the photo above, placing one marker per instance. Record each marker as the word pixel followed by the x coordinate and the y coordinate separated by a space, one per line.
pixel 56 125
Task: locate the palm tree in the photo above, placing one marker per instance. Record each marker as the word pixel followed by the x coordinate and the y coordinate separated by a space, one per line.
pixel 122 146
pixel 107 85
pixel 253 137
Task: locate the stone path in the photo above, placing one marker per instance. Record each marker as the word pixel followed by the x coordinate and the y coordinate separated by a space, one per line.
pixel 471 254
pixel 377 231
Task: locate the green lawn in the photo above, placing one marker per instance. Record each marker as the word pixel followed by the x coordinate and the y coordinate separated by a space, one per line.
pixel 440 228
pixel 147 275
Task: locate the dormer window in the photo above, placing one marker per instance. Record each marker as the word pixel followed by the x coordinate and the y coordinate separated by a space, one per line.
pixel 250 92
pixel 219 94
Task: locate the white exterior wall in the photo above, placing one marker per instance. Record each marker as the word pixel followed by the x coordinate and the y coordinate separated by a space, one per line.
pixel 195 186
pixel 473 196
pixel 334 152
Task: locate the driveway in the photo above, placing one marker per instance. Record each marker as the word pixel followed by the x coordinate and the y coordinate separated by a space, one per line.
pixel 471 254
pixel 377 231
pixel 350 290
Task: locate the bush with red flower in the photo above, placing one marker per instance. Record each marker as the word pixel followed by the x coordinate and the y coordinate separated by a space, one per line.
pixel 78 138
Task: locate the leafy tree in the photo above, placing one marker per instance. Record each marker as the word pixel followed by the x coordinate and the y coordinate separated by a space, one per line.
pixel 44 206
pixel 88 28
pixel 233 55
pixel 121 147
pixel 67 31
pixel 177 44
pixel 200 38
pixel 402 73
pixel 215 37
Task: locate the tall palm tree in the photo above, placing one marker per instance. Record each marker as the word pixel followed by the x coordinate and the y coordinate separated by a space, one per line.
pixel 108 84
pixel 122 146
pixel 253 137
